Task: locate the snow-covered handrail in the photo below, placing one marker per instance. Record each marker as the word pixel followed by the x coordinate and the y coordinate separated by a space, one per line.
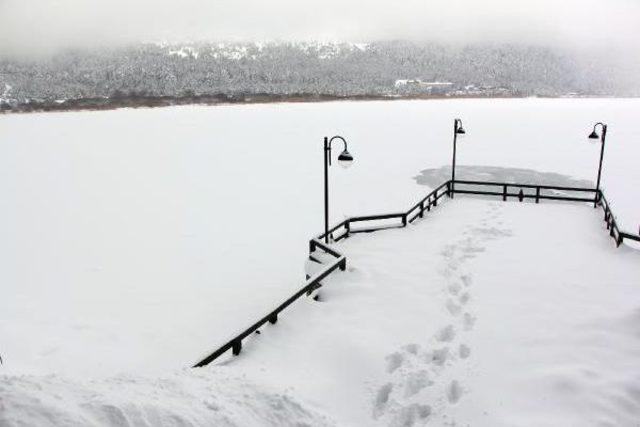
pixel 343 230
pixel 311 284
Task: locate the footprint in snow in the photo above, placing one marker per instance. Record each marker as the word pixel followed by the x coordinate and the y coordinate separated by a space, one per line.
pixel 382 399
pixel 454 289
pixel 466 280
pixel 394 361
pixel 409 415
pixel 473 249
pixel 464 298
pixel 454 309
pixel 415 382
pixel 464 351
pixel 468 321
pixel 411 348
pixel 454 392
pixel 446 334
pixel 438 356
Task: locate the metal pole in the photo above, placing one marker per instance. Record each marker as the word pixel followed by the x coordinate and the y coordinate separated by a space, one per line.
pixel 453 163
pixel 326 189
pixel 604 135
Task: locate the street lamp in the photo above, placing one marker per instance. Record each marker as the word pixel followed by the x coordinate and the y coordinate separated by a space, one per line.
pixel 594 136
pixel 345 159
pixel 458 130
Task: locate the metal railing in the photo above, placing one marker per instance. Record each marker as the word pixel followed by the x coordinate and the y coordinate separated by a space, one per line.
pixel 311 284
pixel 344 229
pixel 537 193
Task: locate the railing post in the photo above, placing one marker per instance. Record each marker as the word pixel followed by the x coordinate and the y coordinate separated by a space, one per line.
pixel 422 209
pixel 343 264
pixel 404 220
pixel 236 347
pixel 429 204
pixel 312 246
pixel 504 193
pixel 537 194
pixel 521 195
pixel 347 227
pixel 273 319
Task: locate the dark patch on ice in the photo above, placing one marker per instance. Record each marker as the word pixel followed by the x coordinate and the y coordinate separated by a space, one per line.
pixel 436 176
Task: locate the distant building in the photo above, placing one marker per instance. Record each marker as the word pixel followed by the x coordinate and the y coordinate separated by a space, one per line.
pixel 418 85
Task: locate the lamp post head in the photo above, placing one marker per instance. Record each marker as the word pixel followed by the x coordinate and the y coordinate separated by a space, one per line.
pixel 594 134
pixel 345 159
pixel 458 129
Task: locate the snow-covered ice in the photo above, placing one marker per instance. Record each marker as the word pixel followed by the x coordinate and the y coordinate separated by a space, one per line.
pixel 132 242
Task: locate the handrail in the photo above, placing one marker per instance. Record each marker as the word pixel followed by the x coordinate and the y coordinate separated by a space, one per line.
pixel 612 225
pixel 235 344
pixel 430 200
pixel 598 197
pixel 542 187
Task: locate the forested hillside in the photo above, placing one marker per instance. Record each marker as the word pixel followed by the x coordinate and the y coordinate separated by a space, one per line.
pixel 242 71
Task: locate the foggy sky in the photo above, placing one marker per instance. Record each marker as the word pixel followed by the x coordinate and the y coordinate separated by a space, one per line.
pixel 48 25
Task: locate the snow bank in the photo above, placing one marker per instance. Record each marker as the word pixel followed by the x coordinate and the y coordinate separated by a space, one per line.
pixel 189 398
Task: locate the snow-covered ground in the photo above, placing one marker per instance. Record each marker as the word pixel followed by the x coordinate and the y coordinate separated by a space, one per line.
pixel 133 242
pixel 484 313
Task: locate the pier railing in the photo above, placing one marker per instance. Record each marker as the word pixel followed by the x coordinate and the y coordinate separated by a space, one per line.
pixel 370 223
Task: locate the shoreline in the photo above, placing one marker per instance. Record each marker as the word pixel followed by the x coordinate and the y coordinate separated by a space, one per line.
pixel 104 104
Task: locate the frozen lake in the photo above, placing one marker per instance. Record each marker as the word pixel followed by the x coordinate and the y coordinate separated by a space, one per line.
pixel 138 240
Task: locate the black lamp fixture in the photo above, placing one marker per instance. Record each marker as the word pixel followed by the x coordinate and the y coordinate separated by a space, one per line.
pixel 458 132
pixel 603 136
pixel 345 159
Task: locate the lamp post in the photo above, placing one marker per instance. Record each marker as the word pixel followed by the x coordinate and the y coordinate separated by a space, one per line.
pixel 457 130
pixel 345 159
pixel 594 136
